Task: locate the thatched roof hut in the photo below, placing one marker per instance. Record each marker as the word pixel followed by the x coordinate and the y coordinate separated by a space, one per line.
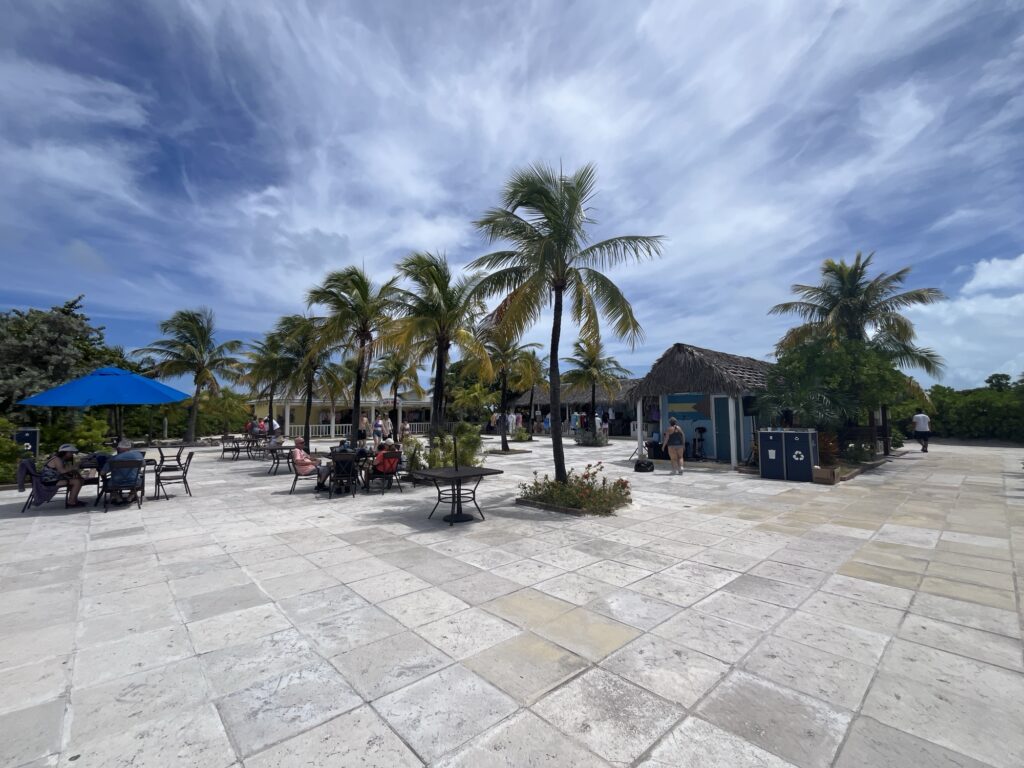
pixel 579 395
pixel 684 368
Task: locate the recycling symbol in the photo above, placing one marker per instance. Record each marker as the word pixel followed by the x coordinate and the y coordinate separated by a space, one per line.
pixel 798 455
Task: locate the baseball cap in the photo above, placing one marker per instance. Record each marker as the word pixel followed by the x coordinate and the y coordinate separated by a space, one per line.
pixel 67 448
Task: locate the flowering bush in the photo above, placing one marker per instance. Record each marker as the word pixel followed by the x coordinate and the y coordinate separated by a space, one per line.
pixel 587 491
pixel 589 439
pixel 858 453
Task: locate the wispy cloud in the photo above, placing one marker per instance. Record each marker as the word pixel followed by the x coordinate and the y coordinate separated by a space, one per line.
pixel 247 148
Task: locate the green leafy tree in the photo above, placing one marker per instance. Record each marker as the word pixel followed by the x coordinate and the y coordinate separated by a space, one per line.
pixel 1000 382
pixel 505 354
pixel 41 349
pixel 191 349
pixel 528 376
pixel 266 369
pixel 593 369
pixel 358 314
pixel 438 311
pixel 849 305
pixel 397 370
pixel 544 217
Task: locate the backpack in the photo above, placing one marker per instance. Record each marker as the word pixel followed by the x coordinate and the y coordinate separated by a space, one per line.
pixel 643 465
pixel 49 476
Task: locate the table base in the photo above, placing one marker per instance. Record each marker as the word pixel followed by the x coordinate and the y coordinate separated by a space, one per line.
pixel 457 517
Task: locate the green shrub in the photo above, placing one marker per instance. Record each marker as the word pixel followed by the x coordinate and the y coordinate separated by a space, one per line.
pixel 858 453
pixel 86 433
pixel 589 439
pixel 586 491
pixel 521 436
pixel 440 453
pixel 412 448
pixel 10 451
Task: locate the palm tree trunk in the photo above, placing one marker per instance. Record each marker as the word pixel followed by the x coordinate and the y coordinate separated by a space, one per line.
pixel 504 410
pixel 309 407
pixel 357 389
pixel 270 406
pixel 593 410
pixel 396 428
pixel 556 396
pixel 193 417
pixel 437 409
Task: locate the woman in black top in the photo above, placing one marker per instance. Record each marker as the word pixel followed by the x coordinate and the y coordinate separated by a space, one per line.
pixel 675 444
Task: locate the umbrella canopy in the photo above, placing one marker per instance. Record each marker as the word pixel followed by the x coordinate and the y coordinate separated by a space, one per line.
pixel 107 386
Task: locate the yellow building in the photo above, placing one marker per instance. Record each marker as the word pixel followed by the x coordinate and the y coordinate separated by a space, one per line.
pixel 330 420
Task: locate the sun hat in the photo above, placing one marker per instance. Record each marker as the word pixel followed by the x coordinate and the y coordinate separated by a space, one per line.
pixel 389 441
pixel 124 444
pixel 67 448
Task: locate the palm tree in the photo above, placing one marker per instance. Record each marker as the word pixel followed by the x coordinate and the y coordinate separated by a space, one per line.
pixel 265 369
pixel 528 374
pixel 592 368
pixel 191 349
pixel 545 216
pixel 505 354
pixel 848 306
pixel 304 358
pixel 336 382
pixel 439 311
pixel 359 313
pixel 397 371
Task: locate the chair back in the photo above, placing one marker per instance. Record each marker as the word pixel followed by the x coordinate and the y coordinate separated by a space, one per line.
pixel 188 460
pixel 124 473
pixel 389 464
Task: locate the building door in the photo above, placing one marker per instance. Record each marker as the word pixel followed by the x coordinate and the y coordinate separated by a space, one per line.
pixel 723 444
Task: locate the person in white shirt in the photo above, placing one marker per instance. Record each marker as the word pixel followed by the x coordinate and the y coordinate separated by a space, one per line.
pixel 922 429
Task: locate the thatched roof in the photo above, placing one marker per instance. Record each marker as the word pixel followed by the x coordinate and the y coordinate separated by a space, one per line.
pixel 684 368
pixel 578 395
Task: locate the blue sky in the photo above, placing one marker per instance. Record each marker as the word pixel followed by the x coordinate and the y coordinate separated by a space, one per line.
pixel 169 154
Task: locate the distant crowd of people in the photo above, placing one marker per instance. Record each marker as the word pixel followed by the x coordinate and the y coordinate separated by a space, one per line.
pixel 578 422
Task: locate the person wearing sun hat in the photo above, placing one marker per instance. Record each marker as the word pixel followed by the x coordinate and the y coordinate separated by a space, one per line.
pixel 62 462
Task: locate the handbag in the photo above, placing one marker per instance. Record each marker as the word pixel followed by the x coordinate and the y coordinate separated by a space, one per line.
pixel 643 465
pixel 49 476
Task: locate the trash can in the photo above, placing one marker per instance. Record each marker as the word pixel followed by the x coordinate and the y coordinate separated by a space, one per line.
pixel 28 439
pixel 801 451
pixel 770 454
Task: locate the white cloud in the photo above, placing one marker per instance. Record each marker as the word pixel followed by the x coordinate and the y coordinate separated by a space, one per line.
pixel 996 275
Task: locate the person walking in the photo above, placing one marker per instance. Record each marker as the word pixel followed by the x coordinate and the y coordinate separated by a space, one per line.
pixel 675 444
pixel 922 429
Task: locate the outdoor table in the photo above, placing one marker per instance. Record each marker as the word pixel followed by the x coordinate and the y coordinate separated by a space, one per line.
pixel 448 482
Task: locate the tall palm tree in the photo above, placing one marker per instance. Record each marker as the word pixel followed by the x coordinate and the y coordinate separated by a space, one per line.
pixel 591 367
pixel 336 382
pixel 439 311
pixel 265 370
pixel 191 349
pixel 397 370
pixel 848 305
pixel 359 313
pixel 528 374
pixel 304 358
pixel 544 217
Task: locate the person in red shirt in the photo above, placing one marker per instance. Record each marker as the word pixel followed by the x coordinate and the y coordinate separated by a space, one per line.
pixel 306 465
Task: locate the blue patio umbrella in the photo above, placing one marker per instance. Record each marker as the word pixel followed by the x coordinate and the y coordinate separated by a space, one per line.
pixel 107 386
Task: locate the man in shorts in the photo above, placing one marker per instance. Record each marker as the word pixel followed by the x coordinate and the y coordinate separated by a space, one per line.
pixel 922 429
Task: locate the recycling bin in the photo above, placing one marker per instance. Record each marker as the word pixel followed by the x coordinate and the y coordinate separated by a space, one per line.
pixel 801 452
pixel 770 454
pixel 27 439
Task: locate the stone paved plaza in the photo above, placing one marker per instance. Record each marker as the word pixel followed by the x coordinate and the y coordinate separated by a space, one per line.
pixel 721 620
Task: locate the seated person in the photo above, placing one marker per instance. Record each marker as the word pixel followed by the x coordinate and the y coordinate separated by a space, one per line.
pixel 306 465
pixel 125 478
pixel 63 463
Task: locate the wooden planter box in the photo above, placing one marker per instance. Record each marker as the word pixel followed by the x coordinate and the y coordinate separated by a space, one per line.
pixel 826 475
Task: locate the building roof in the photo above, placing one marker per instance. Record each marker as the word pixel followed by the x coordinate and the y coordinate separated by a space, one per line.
pixel 579 395
pixel 685 368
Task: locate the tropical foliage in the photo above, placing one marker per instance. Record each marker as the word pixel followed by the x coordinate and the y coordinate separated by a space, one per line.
pixel 995 412
pixel 506 357
pixel 191 349
pixel 586 491
pixel 550 259
pixel 305 359
pixel 593 369
pixel 397 371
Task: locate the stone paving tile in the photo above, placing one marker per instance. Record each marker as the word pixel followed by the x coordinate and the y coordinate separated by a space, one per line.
pixel 574 588
pixel 116 626
pixel 741 610
pixel 423 607
pixel 870 743
pixel 527 572
pixel 345 631
pixel 31 733
pixel 887 576
pixel 676 673
pixel 789 574
pixel 236 627
pixel 378 668
pixel 973 593
pixel 526 666
pixel 35 683
pixel 699 744
pixel 34 644
pixel 587 633
pixel 377 589
pixel 959 723
pixel 983 646
pixel 724 640
pixel 672 590
pixel 471 706
pixel 528 608
pixel 614 718
pixel 209 582
pixel 857 612
pixel 633 608
pixel 311 607
pixel 278 708
pixel 801 729
pixel 283 587
pixel 209 604
pixel 823 633
pixel 131 654
pixel 868 591
pixel 768 590
pixel 825 676
pixel 239 666
pixel 467 633
pixel 522 740
pixel 969 614
pixel 479 587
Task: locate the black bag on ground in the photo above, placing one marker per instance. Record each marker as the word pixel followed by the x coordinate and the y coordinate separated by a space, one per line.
pixel 643 465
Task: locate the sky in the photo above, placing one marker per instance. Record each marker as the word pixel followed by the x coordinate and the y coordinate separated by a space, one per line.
pixel 182 153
